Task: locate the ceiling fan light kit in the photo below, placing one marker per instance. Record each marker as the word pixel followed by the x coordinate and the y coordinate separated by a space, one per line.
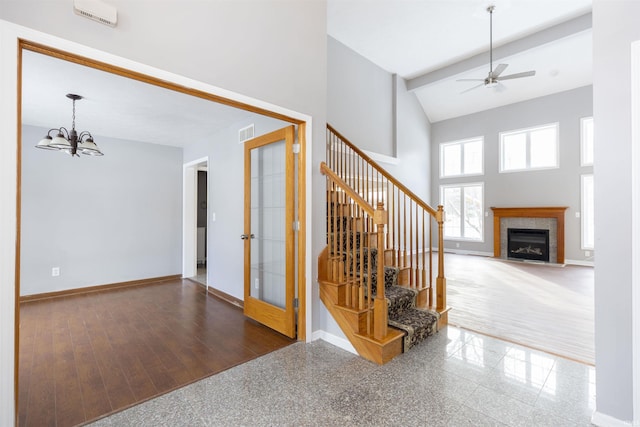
pixel 70 141
pixel 494 77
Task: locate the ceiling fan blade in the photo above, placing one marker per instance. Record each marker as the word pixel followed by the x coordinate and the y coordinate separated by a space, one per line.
pixel 499 69
pixel 499 87
pixel 518 75
pixel 470 80
pixel 471 88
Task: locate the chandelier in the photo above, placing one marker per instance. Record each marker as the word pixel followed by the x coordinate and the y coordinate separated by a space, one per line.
pixel 70 141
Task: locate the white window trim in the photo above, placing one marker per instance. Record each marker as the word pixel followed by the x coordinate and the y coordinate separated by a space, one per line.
pixel 582 140
pixel 482 222
pixel 582 218
pixel 461 142
pixel 528 130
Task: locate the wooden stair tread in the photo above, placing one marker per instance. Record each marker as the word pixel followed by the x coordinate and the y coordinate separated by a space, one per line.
pixel 392 335
pixel 352 310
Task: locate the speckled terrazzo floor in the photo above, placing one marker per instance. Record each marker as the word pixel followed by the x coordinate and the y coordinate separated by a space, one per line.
pixel 455 378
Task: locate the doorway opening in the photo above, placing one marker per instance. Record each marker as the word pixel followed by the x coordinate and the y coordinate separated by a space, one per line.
pixel 201 226
pixel 195 230
pixel 289 117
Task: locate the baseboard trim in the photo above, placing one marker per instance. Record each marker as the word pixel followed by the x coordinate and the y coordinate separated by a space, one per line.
pixel 602 420
pixel 465 252
pixel 98 288
pixel 579 262
pixel 225 297
pixel 490 255
pixel 334 340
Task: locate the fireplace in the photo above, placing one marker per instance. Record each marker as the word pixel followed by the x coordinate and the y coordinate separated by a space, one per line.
pixel 528 243
pixel 544 217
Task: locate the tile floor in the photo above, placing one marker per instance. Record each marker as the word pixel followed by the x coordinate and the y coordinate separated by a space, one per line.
pixel 456 378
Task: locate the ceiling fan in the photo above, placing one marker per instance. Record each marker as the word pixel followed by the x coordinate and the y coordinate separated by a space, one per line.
pixel 494 78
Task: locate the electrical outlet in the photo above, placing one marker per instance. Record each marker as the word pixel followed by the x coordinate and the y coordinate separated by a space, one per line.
pixel 457 245
pixel 587 253
pixel 55 271
pixel 257 284
pixel 577 214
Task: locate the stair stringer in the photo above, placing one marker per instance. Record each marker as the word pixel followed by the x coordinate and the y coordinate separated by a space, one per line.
pixel 332 295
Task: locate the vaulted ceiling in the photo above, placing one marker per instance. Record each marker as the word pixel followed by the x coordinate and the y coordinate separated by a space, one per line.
pixel 433 43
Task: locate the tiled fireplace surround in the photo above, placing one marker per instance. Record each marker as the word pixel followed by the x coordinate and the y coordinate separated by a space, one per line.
pixel 544 218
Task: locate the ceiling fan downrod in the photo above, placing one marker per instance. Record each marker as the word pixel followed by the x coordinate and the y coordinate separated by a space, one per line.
pixel 490 10
pixel 495 75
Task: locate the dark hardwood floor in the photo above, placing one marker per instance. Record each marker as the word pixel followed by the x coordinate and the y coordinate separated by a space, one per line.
pixel 85 356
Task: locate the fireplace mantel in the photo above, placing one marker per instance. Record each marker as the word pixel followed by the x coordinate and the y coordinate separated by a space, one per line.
pixel 556 212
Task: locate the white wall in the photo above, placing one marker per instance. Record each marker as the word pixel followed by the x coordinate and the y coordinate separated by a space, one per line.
pixel 375 111
pixel 359 101
pixel 225 250
pixel 101 220
pixel 615 27
pixel 413 136
pixel 551 187
pixel 271 51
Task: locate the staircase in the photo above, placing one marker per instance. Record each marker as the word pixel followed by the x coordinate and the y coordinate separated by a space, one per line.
pixel 377 228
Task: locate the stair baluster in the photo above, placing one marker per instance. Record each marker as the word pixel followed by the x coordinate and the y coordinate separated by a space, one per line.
pixel 409 245
pixel 376 274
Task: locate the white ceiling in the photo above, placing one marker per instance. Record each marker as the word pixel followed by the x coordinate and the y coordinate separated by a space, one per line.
pixel 115 106
pixel 426 38
pixel 417 39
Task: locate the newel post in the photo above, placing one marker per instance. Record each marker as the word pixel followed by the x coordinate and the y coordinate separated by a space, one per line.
pixel 441 282
pixel 380 315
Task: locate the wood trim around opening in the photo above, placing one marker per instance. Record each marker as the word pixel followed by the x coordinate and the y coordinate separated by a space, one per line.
pixel 302 241
pixel 24 44
pixel 113 69
pixel 556 212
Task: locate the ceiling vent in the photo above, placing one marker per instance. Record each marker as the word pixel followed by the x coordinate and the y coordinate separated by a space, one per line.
pixel 97 11
pixel 245 134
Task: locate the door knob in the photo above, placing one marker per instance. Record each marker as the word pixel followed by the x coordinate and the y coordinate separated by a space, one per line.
pixel 247 236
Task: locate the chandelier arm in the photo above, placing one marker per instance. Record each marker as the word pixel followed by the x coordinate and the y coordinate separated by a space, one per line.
pixel 65 133
pixel 83 134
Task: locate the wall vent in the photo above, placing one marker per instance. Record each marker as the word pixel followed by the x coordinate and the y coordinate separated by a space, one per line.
pixel 96 10
pixel 245 134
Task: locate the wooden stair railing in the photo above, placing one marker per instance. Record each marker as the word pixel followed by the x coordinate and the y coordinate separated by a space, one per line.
pixel 409 240
pixel 350 234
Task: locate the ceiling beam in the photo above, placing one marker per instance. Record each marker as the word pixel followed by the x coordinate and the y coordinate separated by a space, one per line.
pixel 556 32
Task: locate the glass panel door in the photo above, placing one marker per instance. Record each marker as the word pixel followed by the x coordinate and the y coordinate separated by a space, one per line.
pixel 268 234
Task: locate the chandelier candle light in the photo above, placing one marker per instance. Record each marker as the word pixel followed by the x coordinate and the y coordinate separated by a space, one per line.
pixel 70 141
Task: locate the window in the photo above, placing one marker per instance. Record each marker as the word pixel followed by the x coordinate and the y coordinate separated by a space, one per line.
pixel 586 141
pixel 461 158
pixel 463 206
pixel 528 149
pixel 588 240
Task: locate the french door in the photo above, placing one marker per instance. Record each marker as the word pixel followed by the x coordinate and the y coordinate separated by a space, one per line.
pixel 269 236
